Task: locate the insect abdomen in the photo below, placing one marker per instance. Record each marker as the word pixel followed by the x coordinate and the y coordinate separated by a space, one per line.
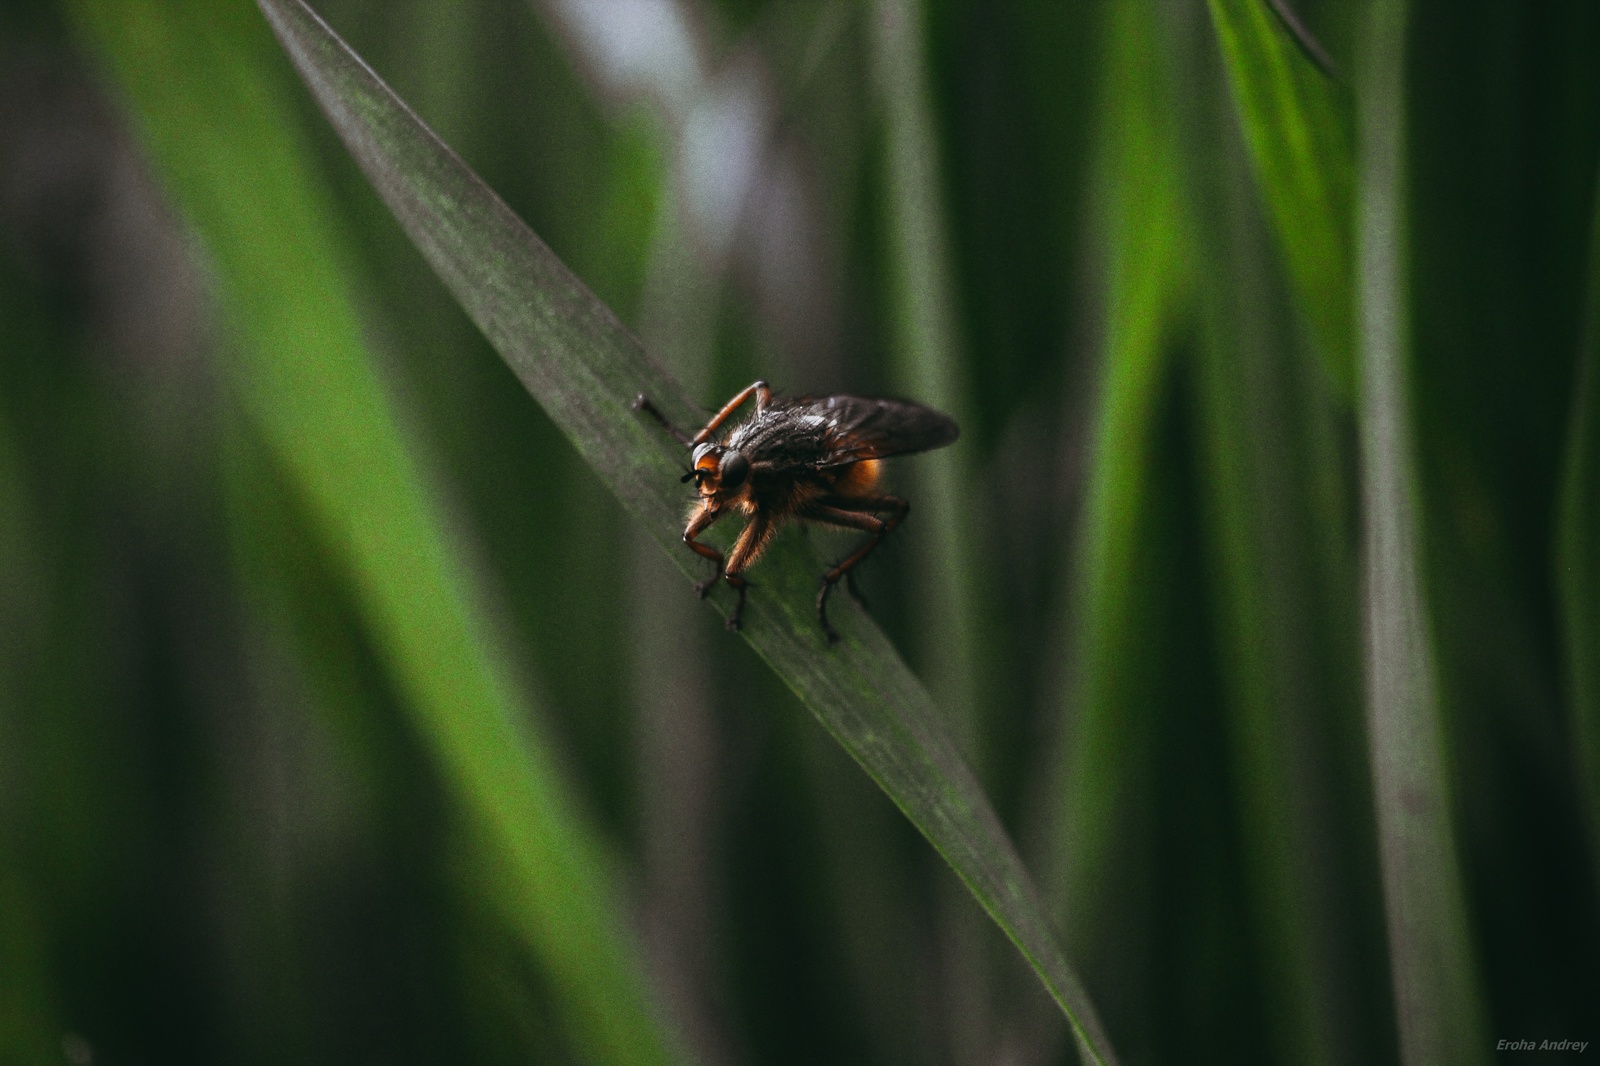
pixel 858 479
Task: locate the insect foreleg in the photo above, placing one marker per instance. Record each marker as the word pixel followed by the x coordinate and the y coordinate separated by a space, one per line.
pixel 752 540
pixel 702 521
pixel 853 514
pixel 763 397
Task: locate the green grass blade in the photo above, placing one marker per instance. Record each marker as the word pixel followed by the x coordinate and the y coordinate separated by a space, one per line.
pixel 1297 122
pixel 200 75
pixel 585 368
pixel 927 362
pixel 1437 997
pixel 1578 548
pixel 1120 562
pixel 1117 609
pixel 1276 507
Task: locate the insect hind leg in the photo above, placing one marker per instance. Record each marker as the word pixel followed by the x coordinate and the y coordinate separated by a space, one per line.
pixel 854 590
pixel 853 513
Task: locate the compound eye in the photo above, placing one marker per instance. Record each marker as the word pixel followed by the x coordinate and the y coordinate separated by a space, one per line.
pixel 735 468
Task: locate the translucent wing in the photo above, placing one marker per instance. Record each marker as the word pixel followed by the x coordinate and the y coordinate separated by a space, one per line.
pixel 815 433
pixel 860 428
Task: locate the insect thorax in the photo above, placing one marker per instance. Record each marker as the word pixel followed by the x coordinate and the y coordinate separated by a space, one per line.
pixel 783 436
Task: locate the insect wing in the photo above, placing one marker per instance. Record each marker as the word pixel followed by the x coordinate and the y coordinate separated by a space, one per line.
pixel 876 429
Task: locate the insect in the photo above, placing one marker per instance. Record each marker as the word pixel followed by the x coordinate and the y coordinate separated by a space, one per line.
pixel 813 459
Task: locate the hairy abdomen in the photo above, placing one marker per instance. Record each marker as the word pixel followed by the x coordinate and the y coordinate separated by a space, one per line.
pixel 858 479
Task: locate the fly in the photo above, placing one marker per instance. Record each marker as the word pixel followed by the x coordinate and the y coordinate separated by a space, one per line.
pixel 812 459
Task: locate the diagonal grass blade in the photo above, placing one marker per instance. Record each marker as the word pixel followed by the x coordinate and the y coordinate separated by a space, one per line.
pixel 584 367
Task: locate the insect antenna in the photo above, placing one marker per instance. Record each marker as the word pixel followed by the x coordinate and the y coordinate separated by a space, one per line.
pixel 642 403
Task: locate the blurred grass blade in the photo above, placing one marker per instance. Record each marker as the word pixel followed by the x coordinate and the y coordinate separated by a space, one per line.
pixel 1297 122
pixel 584 367
pixel 1578 550
pixel 927 363
pixel 1309 46
pixel 1437 998
pixel 1276 512
pixel 1119 561
pixel 200 76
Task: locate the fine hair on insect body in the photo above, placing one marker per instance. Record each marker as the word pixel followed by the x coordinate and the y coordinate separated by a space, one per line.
pixel 805 458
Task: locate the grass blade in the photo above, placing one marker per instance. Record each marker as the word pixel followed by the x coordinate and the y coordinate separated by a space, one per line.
pixel 1277 508
pixel 926 364
pixel 584 367
pixel 1117 569
pixel 1437 998
pixel 200 77
pixel 1297 123
pixel 1578 548
pixel 1117 607
pixel 927 361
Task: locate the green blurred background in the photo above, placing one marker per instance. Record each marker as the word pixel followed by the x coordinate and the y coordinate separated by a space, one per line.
pixel 228 831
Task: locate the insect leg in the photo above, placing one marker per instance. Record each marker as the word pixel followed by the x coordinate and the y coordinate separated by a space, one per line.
pixel 853 514
pixel 643 404
pixel 855 592
pixel 752 539
pixel 703 520
pixel 886 503
pixel 763 397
